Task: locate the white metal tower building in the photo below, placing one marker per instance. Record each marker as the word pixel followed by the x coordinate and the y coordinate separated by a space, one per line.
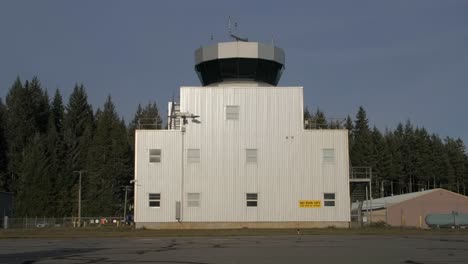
pixel 242 158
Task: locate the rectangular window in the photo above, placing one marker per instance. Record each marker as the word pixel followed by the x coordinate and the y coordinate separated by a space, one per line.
pixel 329 199
pixel 193 155
pixel 193 199
pixel 154 155
pixel 251 155
pixel 154 200
pixel 328 155
pixel 232 112
pixel 252 199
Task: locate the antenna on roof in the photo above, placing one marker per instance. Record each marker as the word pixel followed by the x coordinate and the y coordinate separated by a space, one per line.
pixel 237 38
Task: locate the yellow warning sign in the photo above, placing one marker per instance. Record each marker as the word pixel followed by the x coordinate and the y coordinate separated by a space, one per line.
pixel 310 204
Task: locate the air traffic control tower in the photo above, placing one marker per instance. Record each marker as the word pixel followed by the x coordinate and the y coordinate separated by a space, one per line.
pixel 236 154
pixel 234 62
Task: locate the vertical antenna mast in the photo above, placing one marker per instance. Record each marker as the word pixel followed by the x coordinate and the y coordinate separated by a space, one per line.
pixel 229 26
pixel 233 35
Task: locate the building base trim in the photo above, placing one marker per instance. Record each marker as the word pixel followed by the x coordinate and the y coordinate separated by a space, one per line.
pixel 240 225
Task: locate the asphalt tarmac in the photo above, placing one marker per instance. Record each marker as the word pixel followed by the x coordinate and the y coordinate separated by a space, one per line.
pixel 415 249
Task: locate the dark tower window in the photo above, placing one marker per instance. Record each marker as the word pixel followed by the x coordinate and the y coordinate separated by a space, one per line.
pixel 239 69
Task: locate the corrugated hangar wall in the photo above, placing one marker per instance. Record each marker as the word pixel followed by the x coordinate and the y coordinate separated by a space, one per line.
pixel 289 163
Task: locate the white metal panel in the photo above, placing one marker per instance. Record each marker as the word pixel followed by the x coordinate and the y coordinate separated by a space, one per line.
pixel 238 49
pixel 289 164
pixel 247 49
pixel 163 177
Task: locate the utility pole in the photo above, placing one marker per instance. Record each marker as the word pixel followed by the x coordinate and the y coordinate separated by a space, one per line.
pixel 370 193
pixel 125 203
pixel 79 197
pixel 183 116
pixel 382 190
pixel 410 184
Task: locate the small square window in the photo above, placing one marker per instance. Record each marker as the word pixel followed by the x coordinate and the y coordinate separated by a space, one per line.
pixel 251 155
pixel 329 199
pixel 193 155
pixel 154 203
pixel 252 199
pixel 251 203
pixel 232 112
pixel 328 155
pixel 193 199
pixel 154 155
pixel 154 199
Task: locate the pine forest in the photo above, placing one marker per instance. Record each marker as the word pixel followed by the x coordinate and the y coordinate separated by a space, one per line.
pixel 46 142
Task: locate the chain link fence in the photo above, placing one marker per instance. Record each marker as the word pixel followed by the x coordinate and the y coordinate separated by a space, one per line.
pixel 66 222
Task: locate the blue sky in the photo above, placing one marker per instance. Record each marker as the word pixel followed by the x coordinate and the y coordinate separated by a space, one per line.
pixel 401 60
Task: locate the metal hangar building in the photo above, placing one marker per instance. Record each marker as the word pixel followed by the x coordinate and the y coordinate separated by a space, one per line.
pixel 236 154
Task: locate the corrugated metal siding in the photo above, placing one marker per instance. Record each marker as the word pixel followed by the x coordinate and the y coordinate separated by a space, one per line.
pixel 390 200
pixel 164 177
pixel 289 166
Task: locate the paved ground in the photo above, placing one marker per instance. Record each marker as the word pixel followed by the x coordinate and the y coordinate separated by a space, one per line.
pixel 272 249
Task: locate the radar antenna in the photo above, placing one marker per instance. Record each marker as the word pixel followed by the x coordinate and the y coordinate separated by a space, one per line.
pixel 232 35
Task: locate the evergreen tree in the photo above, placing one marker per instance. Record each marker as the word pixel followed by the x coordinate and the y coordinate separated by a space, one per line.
pixel 78 128
pixel 56 152
pixel 17 131
pixel 39 103
pixel 456 155
pixel 459 164
pixel 399 158
pixel 320 119
pixel 78 132
pixel 27 111
pixel 109 164
pixel 408 157
pixel 334 124
pixel 441 163
pixel 31 199
pixel 465 176
pixel 422 165
pixel 362 149
pixel 145 118
pixel 394 142
pixel 3 149
pixel 350 127
pixel 349 124
pixel 58 112
pixel 307 119
pixel 382 162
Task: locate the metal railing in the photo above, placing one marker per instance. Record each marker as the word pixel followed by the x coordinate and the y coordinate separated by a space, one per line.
pixel 360 173
pixel 149 123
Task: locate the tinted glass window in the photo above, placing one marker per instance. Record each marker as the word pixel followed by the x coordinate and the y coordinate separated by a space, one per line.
pixel 239 69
